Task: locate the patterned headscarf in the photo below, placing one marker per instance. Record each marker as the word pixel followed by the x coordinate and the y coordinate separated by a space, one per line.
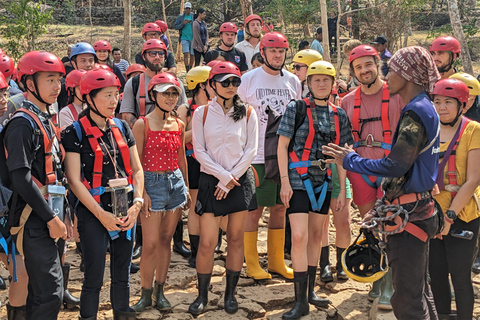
pixel 415 64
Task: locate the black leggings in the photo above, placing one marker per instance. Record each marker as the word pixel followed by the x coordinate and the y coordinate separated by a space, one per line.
pixel 198 55
pixel 454 256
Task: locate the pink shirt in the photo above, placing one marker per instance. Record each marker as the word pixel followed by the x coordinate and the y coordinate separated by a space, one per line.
pixel 371 107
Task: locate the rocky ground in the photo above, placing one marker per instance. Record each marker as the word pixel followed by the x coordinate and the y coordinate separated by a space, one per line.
pixel 265 300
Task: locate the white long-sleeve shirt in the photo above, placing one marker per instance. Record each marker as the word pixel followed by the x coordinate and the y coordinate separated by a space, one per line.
pixel 224 148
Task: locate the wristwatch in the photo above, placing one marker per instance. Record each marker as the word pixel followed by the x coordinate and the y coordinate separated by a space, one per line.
pixel 141 200
pixel 451 214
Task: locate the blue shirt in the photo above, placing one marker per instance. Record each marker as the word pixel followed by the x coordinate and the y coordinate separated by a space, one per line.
pixel 240 36
pixel 187 32
pixel 316 45
pixel 413 162
pixel 385 56
pixel 326 126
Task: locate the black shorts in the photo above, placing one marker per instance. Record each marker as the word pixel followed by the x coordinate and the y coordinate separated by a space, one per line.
pixel 238 199
pixel 300 203
pixel 193 172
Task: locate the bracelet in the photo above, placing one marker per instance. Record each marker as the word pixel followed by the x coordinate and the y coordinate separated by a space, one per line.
pixel 141 200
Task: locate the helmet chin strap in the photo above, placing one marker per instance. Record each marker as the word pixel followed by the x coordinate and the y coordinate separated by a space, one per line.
pixel 448 67
pixel 454 121
pixel 371 84
pixel 272 67
pixel 206 92
pixel 224 98
pixel 165 112
pixel 226 44
pixel 94 109
pixel 37 95
pixel 247 31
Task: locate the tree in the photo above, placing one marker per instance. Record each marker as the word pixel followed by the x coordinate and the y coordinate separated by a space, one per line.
pixel 246 8
pixel 325 43
pixel 22 23
pixel 458 32
pixel 127 24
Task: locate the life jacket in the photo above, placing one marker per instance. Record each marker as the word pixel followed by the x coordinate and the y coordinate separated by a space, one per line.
pixel 302 165
pixel 357 126
pixel 73 110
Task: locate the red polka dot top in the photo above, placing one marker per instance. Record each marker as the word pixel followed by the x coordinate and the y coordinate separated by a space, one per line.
pixel 161 150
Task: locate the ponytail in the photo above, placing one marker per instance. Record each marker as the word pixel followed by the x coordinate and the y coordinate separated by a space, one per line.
pixel 239 109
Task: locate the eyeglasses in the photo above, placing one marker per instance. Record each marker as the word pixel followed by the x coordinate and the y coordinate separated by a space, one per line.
pixel 171 94
pixel 298 67
pixel 155 53
pixel 235 82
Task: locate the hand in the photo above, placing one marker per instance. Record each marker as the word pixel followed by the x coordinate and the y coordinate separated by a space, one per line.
pixel 341 200
pixel 186 21
pixel 132 214
pixel 232 183
pixel 205 49
pixel 368 216
pixel 336 152
pixel 446 229
pixel 57 228
pixel 286 194
pixel 341 84
pixel 68 225
pixel 147 205
pixel 109 221
pixel 188 203
pixel 220 193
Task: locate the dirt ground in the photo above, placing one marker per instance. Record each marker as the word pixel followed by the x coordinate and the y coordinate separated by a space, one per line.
pixel 265 300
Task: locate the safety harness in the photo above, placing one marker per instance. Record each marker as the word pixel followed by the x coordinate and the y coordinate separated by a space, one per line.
pixel 73 110
pixel 189 145
pixel 302 165
pixel 50 179
pixel 142 100
pixel 357 127
pixel 93 133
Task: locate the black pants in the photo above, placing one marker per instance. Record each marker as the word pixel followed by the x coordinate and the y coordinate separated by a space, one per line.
pixel 408 258
pixel 454 256
pixel 198 55
pixel 94 241
pixel 45 281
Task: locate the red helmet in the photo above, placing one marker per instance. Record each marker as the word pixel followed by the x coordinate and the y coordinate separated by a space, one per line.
pixel 253 17
pixel 135 68
pixel 228 27
pixel 224 67
pixel 154 44
pixel 453 88
pixel 162 24
pixel 98 79
pixel 3 81
pixel 73 78
pixel 212 63
pixel 447 43
pixel 151 26
pixel 7 66
pixel 274 40
pixel 102 66
pixel 37 61
pixel 163 77
pixel 363 51
pixel 15 75
pixel 102 45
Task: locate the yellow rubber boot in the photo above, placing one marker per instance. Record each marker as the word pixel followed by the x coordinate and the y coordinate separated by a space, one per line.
pixel 276 261
pixel 251 257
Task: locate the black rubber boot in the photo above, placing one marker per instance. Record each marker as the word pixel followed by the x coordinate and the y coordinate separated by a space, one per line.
pixel 79 251
pixel 476 264
pixel 231 305
pixel 90 318
pixel 288 237
pixel 194 243
pixel 447 316
pixel 68 299
pixel 161 302
pixel 341 275
pixel 134 268
pixel 219 243
pixel 325 270
pixel 16 313
pixel 178 245
pixel 122 315
pixel 312 296
pixel 144 302
pixel 202 300
pixel 3 285
pixel 301 307
pixel 137 250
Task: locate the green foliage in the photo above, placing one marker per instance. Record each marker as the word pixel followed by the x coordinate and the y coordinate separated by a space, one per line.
pixel 299 12
pixel 23 22
pixel 469 29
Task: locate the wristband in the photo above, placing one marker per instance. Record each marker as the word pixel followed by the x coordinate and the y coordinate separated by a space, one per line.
pixel 141 200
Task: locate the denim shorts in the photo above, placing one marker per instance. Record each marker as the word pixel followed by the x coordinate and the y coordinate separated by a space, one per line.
pixel 187 46
pixel 167 191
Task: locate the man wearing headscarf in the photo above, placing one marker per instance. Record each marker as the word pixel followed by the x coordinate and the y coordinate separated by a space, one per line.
pixel 409 172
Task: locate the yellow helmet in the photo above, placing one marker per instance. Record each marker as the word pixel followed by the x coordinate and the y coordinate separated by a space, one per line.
pixel 321 67
pixel 307 56
pixel 472 83
pixel 197 75
pixel 291 69
pixel 364 261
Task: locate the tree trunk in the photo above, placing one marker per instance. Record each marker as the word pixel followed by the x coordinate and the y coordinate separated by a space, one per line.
pixel 325 45
pixel 306 30
pixel 282 22
pixel 458 33
pixel 355 20
pixel 91 23
pixel 339 50
pixel 127 24
pixel 178 55
pixel 246 8
pixel 167 33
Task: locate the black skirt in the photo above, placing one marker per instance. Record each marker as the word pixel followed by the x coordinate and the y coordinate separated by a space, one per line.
pixel 193 172
pixel 238 199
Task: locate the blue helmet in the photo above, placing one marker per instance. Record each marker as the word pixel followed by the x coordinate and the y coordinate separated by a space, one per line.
pixel 80 48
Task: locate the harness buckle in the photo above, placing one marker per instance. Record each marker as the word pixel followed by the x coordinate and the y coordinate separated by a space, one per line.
pixel 368 139
pixel 319 163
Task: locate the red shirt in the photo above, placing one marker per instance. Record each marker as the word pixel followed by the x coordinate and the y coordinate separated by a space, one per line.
pixel 161 150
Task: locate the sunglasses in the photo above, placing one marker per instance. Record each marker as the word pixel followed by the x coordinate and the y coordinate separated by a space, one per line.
pixel 172 94
pixel 298 67
pixel 235 82
pixel 155 53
